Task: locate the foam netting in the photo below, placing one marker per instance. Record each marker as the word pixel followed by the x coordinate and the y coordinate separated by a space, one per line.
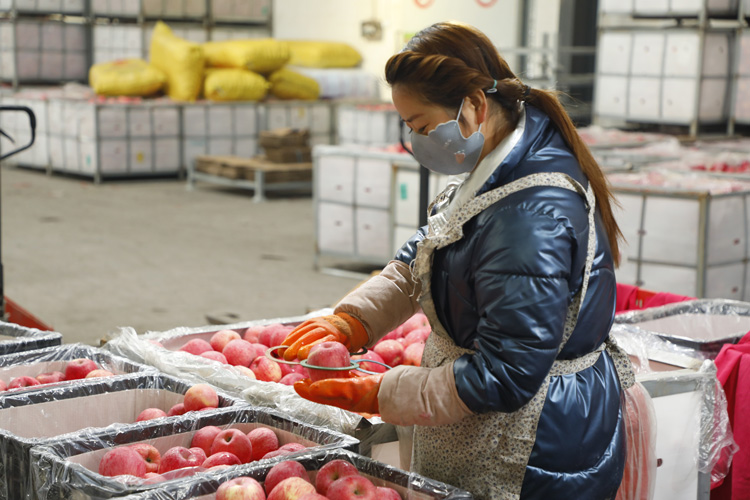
pixel 35 417
pixel 408 484
pixel 141 348
pixel 62 468
pixel 26 339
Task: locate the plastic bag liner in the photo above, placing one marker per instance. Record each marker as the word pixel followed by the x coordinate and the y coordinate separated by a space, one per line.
pixel 409 485
pixel 17 338
pixel 703 325
pixel 649 352
pixel 35 417
pixel 168 359
pixel 66 467
pixel 639 477
pixel 51 359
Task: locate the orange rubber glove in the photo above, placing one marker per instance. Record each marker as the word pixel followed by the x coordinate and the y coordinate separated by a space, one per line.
pixel 339 327
pixel 357 394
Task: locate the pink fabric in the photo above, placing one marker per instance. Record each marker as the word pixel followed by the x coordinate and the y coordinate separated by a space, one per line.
pixel 733 372
pixel 628 296
pixel 625 297
pixel 664 298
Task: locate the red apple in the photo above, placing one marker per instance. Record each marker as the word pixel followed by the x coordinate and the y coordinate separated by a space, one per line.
pixel 150 454
pixel 240 488
pixel 246 371
pixel 50 377
pixel 99 373
pixel 331 472
pixel 293 447
pixel 150 413
pixel 22 381
pixel 234 441
pixel 373 367
pixel 239 352
pixel 265 369
pixel 291 488
pixel 222 338
pixel 291 378
pixel 384 493
pixel 153 478
pixel 284 470
pixel 280 336
pixel 413 354
pixel 263 440
pixel 416 336
pixel 352 487
pixel 78 368
pixel 204 438
pixel 268 335
pixel 196 346
pixel 221 458
pixel 252 334
pixel 200 396
pixel 277 453
pixel 330 354
pixel 178 457
pixel 178 409
pixel 391 351
pixel 419 320
pixel 312 496
pixel 216 356
pixel 122 460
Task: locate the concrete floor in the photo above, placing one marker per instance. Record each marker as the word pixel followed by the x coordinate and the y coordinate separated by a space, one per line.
pixel 88 258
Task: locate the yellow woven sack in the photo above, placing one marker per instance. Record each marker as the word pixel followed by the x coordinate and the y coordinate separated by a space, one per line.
pixel 128 77
pixel 234 85
pixel 180 60
pixel 262 55
pixel 288 84
pixel 323 54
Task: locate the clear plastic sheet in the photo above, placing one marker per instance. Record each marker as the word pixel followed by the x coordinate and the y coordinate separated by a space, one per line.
pixel 409 485
pixel 66 467
pixel 34 417
pixel 50 359
pixel 717 442
pixel 639 478
pixel 17 338
pixel 645 348
pixel 703 325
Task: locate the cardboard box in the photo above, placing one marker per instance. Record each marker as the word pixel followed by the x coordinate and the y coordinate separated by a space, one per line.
pixel 284 137
pixel 289 154
pixel 16 338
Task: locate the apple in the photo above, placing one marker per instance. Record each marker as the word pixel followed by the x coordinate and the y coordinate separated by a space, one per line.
pixel 99 373
pixel 246 371
pixel 329 354
pixel 240 488
pixel 3 386
pixel 416 336
pixel 293 447
pixel 178 409
pixel 391 351
pixel 150 454
pixel 280 336
pixel 202 455
pixel 123 460
pixel 239 352
pixel 271 332
pixel 221 338
pixel 22 381
pixel 78 368
pixel 204 438
pixel 413 354
pixel 277 453
pixel 312 496
pixel 291 488
pixel 221 458
pixel 50 377
pixel 419 320
pixel 200 396
pixel 216 356
pixel 291 378
pixel 234 441
pixel 284 470
pixel 252 334
pixel 178 457
pixel 352 487
pixel 265 369
pixel 260 350
pixel 331 472
pixel 263 440
pixel 373 367
pixel 150 413
pixel 196 346
pixel 153 478
pixel 384 493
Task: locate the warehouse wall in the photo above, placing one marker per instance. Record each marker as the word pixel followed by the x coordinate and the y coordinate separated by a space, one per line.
pixel 341 20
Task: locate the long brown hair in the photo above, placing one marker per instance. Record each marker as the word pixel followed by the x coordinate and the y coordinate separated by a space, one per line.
pixel 448 61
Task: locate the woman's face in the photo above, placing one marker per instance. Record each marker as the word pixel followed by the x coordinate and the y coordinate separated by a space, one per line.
pixel 422 117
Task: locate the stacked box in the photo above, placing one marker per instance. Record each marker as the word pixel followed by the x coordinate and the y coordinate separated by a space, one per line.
pixel 115 8
pixel 741 105
pixel 17 338
pixel 367 124
pixel 219 130
pixel 314 116
pixel 174 9
pixel 34 417
pixel 407 484
pixel 286 145
pixel 675 76
pixel 670 8
pixel 342 83
pixel 117 41
pixel 17 125
pixel 257 11
pixel 43 50
pixel 221 33
pixel 67 467
pixel 73 7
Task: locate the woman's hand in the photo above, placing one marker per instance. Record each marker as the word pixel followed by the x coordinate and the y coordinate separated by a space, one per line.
pixel 357 394
pixel 339 327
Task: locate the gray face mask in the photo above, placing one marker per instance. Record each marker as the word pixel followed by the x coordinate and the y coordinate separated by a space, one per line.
pixel 446 151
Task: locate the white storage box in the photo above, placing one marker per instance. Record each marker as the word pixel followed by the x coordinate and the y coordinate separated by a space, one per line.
pixel 115 8
pixel 315 116
pixel 342 83
pixel 16 124
pixel 670 8
pixel 193 32
pixel 174 9
pixel 367 124
pixel 35 51
pixel 72 7
pixel 741 105
pixel 258 11
pixel 118 41
pixel 221 33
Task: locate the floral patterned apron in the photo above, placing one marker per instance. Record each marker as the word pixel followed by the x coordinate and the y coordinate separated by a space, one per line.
pixel 487 454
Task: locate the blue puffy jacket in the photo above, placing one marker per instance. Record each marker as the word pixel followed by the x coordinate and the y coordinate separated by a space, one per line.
pixel 504 290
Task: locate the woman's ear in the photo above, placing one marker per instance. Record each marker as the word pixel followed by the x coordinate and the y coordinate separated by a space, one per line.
pixel 479 103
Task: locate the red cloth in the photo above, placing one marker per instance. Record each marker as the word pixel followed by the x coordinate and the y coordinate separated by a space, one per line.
pixel 629 295
pixel 625 297
pixel 733 372
pixel 664 298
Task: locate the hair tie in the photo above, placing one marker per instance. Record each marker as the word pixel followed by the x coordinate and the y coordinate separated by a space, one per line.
pixel 526 91
pixel 493 89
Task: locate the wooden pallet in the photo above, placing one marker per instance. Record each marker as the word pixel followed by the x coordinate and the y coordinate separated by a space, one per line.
pixel 233 167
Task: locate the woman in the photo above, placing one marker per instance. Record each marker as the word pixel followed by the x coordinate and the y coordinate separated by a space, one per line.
pixel 519 391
